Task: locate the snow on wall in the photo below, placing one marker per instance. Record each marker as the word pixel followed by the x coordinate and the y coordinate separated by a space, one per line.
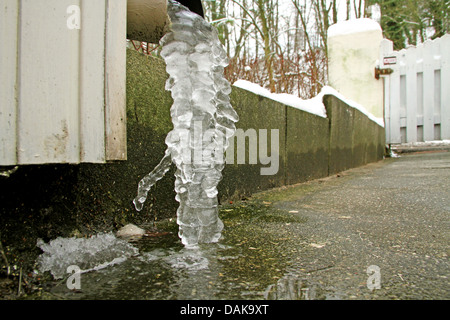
pixel 314 105
pixel 353 26
pixel 351 103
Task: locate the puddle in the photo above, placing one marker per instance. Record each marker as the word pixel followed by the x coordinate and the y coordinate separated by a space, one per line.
pixel 252 261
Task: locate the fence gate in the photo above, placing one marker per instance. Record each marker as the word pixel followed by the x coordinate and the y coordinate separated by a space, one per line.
pixel 417 92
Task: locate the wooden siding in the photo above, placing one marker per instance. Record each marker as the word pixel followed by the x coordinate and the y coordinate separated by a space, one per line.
pixel 63 90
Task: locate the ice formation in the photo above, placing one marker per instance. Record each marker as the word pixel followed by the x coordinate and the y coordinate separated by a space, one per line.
pixel 203 121
pixel 88 254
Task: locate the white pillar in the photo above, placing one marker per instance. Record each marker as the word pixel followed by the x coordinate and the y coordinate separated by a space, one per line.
pixel 353 54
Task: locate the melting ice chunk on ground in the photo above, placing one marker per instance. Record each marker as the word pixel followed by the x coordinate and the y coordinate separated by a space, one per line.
pixel 88 254
pixel 130 230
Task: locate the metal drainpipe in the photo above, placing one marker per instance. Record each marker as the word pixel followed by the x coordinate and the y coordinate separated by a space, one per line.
pixel 147 20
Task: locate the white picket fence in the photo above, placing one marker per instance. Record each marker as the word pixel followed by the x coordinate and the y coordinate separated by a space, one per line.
pixel 417 93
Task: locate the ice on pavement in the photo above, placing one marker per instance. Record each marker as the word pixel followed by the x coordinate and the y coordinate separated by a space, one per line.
pixel 99 251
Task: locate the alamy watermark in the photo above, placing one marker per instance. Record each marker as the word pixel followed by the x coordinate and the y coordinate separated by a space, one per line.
pixel 258 148
pixel 74 19
pixel 203 147
pixel 374 279
pixel 373 282
pixel 74 280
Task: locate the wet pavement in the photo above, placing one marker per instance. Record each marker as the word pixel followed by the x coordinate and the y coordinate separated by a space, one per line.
pixel 376 232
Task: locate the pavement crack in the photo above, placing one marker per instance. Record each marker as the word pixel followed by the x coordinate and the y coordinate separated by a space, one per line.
pixel 320 269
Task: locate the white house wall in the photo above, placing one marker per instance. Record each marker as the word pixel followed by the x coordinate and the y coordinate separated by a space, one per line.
pixel 62 90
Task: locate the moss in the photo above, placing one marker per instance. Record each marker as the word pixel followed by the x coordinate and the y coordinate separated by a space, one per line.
pixel 148 104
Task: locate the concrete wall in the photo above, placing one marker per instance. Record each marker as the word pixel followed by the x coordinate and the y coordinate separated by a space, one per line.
pixel 354 139
pixel 310 147
pixel 63 200
pixel 256 113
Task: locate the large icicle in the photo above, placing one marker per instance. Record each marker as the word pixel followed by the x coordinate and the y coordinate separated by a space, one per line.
pixel 203 120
